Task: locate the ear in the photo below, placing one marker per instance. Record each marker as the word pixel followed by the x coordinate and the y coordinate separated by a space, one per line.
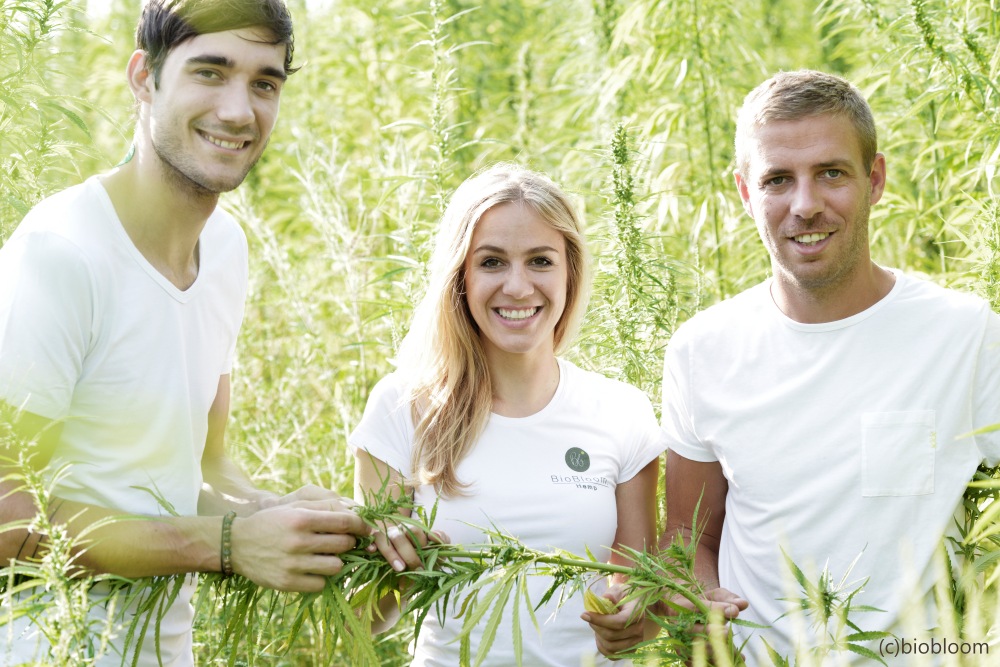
pixel 140 78
pixel 877 178
pixel 741 186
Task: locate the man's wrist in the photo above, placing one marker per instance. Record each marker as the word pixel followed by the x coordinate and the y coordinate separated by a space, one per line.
pixel 226 547
pixel 266 500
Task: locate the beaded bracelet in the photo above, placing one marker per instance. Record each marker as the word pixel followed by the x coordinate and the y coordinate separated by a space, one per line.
pixel 227 544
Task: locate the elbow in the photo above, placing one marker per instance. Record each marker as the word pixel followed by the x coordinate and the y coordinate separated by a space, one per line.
pixel 11 541
pixel 17 542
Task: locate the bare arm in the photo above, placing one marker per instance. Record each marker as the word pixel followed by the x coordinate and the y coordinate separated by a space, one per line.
pixel 170 547
pixel 290 546
pixel 287 542
pixel 374 476
pixel 226 487
pixel 636 506
pixel 690 485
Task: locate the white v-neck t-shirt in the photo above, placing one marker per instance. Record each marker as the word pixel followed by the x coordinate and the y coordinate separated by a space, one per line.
pixel 93 336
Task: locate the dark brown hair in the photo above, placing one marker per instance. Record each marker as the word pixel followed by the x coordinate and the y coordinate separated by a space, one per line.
pixel 166 23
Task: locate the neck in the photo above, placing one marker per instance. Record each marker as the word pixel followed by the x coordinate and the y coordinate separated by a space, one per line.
pixel 522 384
pixel 162 218
pixel 812 305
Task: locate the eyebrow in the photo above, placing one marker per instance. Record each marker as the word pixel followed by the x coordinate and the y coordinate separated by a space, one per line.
pixel 777 170
pixel 839 162
pixel 222 61
pixel 500 251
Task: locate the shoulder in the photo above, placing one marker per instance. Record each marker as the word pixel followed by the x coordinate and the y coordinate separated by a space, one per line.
pixel 223 224
pixel 65 227
pixel 926 298
pixel 60 213
pixel 583 384
pixel 726 318
pixel 37 252
pixel 388 394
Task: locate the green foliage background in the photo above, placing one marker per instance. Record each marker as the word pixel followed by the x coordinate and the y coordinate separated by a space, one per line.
pixel 628 104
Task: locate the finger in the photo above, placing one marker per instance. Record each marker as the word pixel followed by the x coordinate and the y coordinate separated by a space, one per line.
pixel 439 537
pixel 326 521
pixel 402 541
pixel 616 593
pixel 727 596
pixel 612 647
pixel 413 535
pixel 617 622
pixel 388 551
pixel 302 583
pixel 349 504
pixel 676 605
pixel 328 544
pixel 608 625
pixel 728 610
pixel 321 565
pixel 334 503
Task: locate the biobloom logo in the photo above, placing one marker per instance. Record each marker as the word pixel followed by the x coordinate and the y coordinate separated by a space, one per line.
pixel 577 459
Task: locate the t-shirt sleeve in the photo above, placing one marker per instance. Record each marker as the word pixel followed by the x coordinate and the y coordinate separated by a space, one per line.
pixel 646 441
pixel 987 392
pixel 46 311
pixel 386 427
pixel 678 421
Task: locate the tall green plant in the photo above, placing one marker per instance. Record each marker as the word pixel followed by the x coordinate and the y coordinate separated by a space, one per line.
pixel 41 124
pixel 639 306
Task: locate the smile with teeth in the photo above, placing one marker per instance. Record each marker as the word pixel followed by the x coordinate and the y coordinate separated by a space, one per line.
pixel 811 239
pixel 519 314
pixel 221 143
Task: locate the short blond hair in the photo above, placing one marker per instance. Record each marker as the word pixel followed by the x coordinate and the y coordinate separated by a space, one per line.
pixel 804 94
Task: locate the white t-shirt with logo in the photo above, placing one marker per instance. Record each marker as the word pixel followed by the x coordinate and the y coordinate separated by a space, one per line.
pixel 93 336
pixel 841 440
pixel 549 480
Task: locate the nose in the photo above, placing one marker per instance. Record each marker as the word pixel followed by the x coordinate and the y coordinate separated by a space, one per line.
pixel 518 283
pixel 807 200
pixel 235 106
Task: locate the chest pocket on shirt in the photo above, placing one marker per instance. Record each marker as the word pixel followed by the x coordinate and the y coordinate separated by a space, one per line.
pixel 897 453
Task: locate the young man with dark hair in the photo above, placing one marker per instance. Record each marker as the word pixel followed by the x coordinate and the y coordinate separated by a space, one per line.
pixel 120 303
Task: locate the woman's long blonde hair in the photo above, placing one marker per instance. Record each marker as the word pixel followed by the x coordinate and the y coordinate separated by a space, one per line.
pixel 442 358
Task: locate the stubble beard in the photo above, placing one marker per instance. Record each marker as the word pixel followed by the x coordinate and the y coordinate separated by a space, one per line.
pixel 838 275
pixel 182 172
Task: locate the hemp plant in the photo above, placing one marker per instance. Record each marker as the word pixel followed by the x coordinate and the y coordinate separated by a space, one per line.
pixel 37 118
pixel 640 295
pixel 829 606
pixel 478 580
pixel 48 586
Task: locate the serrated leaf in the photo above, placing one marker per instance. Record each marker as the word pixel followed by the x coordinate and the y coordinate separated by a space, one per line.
pixel 490 631
pixel 73 117
pixel 866 652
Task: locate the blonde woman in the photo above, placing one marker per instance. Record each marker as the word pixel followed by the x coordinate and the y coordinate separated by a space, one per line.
pixel 485 419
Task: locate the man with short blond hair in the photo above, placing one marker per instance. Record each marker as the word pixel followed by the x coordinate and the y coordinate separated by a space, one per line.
pixel 826 417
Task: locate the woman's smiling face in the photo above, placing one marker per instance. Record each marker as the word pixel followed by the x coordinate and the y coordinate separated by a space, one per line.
pixel 516 281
